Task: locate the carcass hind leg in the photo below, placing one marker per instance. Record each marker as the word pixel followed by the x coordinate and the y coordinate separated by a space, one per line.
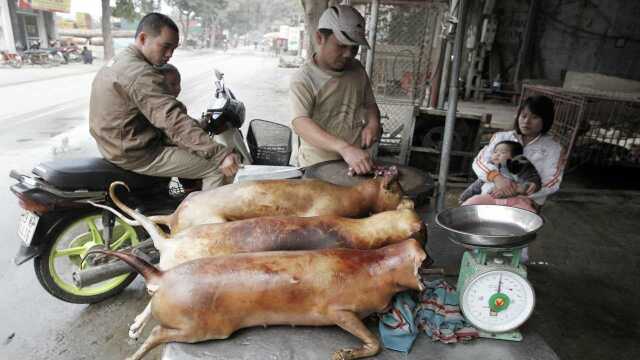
pixel 140 322
pixel 160 335
pixel 350 322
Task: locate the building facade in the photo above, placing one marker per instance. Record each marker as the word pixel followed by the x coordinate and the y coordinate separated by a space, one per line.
pixel 6 30
pixel 23 22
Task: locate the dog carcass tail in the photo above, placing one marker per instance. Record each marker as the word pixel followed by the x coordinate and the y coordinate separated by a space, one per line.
pixel 115 212
pixel 150 273
pixel 161 219
pixel 156 233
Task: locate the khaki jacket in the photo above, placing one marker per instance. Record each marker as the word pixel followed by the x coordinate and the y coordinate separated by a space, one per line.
pixel 130 109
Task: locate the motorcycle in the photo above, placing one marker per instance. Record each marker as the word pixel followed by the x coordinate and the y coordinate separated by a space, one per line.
pixel 41 56
pixel 71 54
pixel 224 117
pixel 12 59
pixel 59 226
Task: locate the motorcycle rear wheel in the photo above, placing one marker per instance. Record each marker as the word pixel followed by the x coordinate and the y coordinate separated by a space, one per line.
pixel 63 253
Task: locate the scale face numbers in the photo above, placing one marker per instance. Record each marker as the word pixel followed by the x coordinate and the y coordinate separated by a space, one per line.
pixel 497 301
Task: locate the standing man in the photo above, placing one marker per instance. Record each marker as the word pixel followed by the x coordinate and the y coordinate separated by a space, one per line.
pixel 334 110
pixel 131 107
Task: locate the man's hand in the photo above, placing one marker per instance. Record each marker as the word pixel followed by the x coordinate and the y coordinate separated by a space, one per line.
pixel 230 165
pixel 358 159
pixel 504 188
pixel 370 134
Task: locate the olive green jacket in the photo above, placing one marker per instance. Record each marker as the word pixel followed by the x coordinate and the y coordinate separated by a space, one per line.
pixel 131 108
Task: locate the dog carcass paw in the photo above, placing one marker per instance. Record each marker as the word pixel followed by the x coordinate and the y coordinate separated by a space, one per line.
pixel 343 354
pixel 134 330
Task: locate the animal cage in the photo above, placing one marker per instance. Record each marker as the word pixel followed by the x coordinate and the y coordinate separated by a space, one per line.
pixel 596 128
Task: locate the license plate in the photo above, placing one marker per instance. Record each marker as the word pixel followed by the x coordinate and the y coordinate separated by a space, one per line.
pixel 27 226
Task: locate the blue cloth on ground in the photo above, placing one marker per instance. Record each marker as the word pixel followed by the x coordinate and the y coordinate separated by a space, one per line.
pixel 397 326
pixel 436 312
pixel 439 314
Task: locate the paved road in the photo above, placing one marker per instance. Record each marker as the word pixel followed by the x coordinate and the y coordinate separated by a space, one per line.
pixel 44 116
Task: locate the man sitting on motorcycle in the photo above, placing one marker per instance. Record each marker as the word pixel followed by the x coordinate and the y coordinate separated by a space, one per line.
pixel 131 107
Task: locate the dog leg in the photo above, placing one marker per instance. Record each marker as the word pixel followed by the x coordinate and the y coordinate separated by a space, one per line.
pixel 350 322
pixel 160 335
pixel 140 322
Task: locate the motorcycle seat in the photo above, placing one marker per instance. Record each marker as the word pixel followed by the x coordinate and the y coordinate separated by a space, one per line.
pixel 93 174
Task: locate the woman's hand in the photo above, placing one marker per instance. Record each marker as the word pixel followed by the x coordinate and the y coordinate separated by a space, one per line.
pixel 504 188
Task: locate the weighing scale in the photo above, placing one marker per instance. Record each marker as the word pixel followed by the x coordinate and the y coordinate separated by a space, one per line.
pixel 495 295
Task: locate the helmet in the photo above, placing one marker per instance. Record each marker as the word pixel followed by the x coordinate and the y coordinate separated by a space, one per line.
pixel 225 113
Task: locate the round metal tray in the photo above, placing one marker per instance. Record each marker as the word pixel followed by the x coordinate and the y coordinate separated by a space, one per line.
pixel 491 226
pixel 416 184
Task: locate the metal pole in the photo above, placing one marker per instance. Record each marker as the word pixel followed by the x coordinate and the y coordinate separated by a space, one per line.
pixel 475 58
pixel 373 29
pixel 446 63
pixel 524 48
pixel 453 105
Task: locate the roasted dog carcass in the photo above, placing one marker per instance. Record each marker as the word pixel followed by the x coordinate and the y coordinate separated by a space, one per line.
pixel 211 298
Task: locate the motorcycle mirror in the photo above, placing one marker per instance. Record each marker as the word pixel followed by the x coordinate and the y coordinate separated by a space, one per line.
pixel 219 74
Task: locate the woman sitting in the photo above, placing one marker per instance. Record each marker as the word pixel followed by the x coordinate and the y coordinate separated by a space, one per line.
pixel 534 120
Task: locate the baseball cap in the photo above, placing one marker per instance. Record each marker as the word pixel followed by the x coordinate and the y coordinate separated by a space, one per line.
pixel 346 23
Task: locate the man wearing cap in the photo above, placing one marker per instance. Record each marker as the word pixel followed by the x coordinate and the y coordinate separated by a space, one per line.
pixel 334 110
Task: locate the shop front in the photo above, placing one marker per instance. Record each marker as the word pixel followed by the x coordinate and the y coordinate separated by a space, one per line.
pixel 33 21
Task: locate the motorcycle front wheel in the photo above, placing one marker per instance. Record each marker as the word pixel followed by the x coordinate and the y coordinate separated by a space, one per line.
pixel 67 246
pixel 15 63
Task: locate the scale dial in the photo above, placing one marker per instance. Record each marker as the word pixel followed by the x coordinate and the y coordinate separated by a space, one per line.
pixel 497 300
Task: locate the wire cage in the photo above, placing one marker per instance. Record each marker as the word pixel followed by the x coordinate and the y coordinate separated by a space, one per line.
pixel 601 129
pixel 269 142
pixel 402 63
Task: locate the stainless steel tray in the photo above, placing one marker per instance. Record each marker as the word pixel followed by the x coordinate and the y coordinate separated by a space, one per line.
pixel 492 226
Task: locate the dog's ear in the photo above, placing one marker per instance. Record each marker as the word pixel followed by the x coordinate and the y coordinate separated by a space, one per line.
pixel 514 166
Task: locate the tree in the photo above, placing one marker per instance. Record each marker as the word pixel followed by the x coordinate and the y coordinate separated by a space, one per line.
pixel 208 13
pixel 204 10
pixel 134 9
pixel 125 9
pixel 243 16
pixel 147 6
pixel 239 17
pixel 106 30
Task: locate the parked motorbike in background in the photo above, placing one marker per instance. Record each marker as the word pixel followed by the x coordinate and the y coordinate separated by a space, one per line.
pixel 12 59
pixel 57 56
pixel 71 54
pixel 36 55
pixel 58 226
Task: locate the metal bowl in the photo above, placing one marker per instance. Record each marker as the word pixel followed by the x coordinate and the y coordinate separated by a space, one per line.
pixel 492 226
